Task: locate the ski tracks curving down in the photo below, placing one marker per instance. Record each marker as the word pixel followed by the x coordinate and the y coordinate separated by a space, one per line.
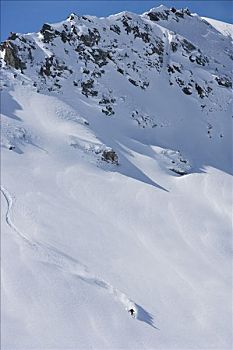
pixel 50 255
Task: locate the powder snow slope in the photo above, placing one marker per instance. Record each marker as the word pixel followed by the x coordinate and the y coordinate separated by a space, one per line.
pixel 224 28
pixel 116 189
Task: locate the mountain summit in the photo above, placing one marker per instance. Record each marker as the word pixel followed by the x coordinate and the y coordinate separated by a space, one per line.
pixel 116 190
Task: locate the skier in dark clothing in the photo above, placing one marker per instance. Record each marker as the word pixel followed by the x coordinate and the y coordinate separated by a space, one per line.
pixel 132 312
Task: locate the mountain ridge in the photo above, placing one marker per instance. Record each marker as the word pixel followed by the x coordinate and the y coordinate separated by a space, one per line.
pixel 74 54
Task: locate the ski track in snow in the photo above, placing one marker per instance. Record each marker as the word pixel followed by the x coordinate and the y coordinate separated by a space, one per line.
pixel 50 255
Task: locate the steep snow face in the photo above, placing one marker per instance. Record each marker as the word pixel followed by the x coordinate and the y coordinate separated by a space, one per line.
pixel 116 189
pixel 223 28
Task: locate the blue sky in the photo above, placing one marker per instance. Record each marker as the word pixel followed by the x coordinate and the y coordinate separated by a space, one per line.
pixel 29 16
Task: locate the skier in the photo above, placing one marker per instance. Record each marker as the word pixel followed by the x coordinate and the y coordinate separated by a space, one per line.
pixel 132 312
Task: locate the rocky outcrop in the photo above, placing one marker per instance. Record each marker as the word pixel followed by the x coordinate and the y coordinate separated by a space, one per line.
pixel 90 39
pixel 48 33
pixel 223 81
pixel 175 162
pixel 88 88
pixel 110 156
pixel 157 16
pixel 86 49
pixel 11 55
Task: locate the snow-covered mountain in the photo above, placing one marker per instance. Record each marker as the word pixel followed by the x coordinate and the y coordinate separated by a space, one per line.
pixel 116 189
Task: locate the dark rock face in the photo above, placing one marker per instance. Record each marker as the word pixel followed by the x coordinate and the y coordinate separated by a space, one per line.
pixel 108 110
pixel 12 36
pixel 100 57
pixel 133 82
pixel 106 102
pixel 174 46
pixel 133 28
pixel 200 91
pixel 72 16
pixel 187 12
pixel 48 32
pixel 188 47
pixel 173 68
pixel 164 15
pixel 224 82
pixel 115 28
pixel 179 172
pixel 157 16
pixel 110 156
pixel 64 37
pixel 90 39
pixel 52 67
pixel 187 90
pixel 179 14
pixel 88 88
pixel 201 60
pixel 11 56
